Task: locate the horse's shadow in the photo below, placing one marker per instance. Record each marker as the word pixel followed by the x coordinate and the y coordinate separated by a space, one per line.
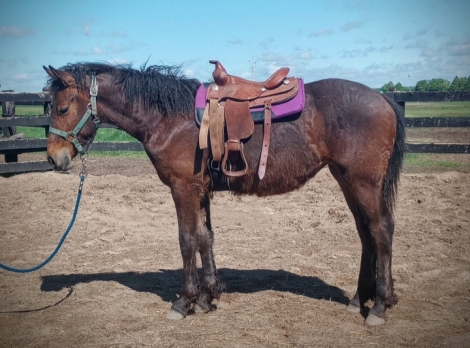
pixel 167 283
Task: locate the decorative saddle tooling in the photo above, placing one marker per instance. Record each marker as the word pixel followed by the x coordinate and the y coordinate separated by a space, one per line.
pixel 231 105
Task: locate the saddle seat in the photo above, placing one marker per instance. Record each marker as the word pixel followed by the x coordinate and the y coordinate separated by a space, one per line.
pixel 228 103
pixel 222 78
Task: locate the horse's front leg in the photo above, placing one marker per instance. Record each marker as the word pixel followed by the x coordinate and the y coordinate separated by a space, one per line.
pixel 211 287
pixel 187 210
pixel 195 234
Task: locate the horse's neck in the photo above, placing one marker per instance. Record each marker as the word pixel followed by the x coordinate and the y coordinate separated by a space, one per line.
pixel 114 109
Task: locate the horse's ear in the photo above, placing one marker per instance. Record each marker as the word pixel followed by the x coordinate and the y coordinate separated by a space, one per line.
pixel 67 79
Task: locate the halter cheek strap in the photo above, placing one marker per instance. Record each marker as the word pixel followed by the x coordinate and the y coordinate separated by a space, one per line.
pixel 91 111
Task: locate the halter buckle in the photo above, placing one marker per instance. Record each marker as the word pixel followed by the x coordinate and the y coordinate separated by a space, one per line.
pixel 93 86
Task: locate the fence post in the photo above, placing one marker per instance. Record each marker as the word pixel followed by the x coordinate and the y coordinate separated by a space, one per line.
pixel 8 110
pixel 47 112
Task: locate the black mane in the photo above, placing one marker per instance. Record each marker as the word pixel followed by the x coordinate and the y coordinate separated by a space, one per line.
pixel 157 86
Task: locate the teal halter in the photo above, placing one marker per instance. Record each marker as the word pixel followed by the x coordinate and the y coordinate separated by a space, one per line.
pixel 91 111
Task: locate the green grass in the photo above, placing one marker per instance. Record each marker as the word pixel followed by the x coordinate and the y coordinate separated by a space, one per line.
pixel 428 160
pixel 32 132
pixel 113 135
pixel 29 110
pixel 127 154
pixel 437 109
pixel 104 134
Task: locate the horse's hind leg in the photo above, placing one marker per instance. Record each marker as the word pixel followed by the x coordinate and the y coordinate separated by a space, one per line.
pixel 374 222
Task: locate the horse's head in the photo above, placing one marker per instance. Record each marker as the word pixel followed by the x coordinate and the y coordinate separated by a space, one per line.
pixel 72 128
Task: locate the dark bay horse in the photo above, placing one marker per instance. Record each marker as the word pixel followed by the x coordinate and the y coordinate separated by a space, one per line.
pixel 355 131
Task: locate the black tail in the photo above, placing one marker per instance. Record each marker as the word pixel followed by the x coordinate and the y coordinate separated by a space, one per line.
pixel 396 160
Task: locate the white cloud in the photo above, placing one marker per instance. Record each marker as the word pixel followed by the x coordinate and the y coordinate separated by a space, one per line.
pixel 15 31
pixel 352 25
pixel 20 77
pixel 274 61
pixel 422 32
pixel 386 48
pixel 454 48
pixel 190 73
pixel 79 52
pixel 429 52
pixel 323 32
pixel 348 54
pixel 114 47
pixel 418 44
pixel 118 61
pixel 304 58
pixel 235 41
pixel 86 30
pixel 97 50
pixel 117 33
pixel 407 36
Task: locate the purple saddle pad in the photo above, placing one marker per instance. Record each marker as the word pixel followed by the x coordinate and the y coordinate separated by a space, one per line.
pixel 287 108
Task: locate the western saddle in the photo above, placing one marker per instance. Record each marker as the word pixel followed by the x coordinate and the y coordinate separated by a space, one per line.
pixel 228 103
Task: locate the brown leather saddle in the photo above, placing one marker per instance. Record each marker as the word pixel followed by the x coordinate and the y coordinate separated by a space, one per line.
pixel 228 103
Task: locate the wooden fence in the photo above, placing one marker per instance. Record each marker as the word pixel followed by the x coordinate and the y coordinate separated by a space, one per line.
pixel 11 145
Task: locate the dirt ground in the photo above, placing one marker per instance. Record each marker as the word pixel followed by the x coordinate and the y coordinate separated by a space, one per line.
pixel 290 264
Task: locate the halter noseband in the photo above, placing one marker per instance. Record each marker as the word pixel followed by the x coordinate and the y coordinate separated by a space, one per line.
pixel 91 111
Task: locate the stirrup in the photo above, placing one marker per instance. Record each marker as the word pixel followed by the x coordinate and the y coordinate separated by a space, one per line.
pixel 230 146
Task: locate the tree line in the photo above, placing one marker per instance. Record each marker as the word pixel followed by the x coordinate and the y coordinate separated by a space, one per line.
pixel 434 85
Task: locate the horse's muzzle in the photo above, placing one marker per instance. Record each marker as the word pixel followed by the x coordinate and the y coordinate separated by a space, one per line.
pixel 60 161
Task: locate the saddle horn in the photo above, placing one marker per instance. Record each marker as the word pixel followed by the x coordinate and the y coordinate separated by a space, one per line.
pixel 220 75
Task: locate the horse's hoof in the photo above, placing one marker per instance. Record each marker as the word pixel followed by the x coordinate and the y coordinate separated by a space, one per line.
pixel 174 315
pixel 201 309
pixel 373 320
pixel 353 308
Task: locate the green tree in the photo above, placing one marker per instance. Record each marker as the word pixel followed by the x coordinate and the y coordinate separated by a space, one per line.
pixel 439 85
pixel 458 84
pixel 399 87
pixel 467 84
pixel 387 87
pixel 422 85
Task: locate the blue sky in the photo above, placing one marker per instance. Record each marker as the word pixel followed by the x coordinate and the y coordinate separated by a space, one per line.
pixel 372 42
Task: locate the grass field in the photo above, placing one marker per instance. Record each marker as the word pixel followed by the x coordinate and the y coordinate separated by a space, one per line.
pixel 104 134
pixel 440 109
pixel 442 161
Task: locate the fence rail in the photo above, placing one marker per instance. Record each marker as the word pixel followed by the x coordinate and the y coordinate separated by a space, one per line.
pixel 11 147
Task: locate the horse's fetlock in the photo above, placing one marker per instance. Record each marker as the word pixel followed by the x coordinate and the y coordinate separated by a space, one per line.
pixel 390 301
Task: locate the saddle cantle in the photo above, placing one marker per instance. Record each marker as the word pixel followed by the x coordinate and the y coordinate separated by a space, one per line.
pixel 228 102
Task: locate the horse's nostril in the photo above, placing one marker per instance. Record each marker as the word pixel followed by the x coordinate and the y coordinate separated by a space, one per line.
pixel 51 161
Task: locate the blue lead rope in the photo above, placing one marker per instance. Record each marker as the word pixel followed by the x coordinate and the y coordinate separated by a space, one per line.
pixel 41 265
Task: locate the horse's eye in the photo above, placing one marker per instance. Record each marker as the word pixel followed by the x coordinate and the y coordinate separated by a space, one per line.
pixel 63 110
